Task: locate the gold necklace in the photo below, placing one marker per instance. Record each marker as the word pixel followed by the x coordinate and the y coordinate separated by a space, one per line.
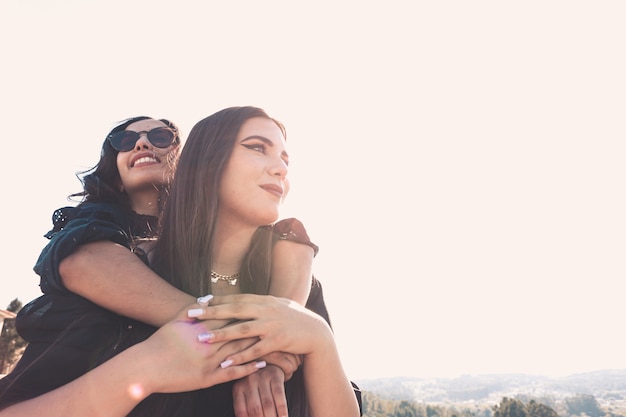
pixel 230 279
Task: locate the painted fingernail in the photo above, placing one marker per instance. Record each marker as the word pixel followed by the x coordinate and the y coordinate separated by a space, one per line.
pixel 261 364
pixel 195 312
pixel 205 337
pixel 226 363
pixel 205 300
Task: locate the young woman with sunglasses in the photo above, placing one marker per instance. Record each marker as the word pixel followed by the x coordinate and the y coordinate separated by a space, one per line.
pixel 120 204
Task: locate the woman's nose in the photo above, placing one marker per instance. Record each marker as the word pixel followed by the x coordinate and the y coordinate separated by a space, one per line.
pixel 280 169
pixel 143 142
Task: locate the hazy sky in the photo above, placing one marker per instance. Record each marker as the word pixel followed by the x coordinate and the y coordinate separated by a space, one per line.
pixel 460 164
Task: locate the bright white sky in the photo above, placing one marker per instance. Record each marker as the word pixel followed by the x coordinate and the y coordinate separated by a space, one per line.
pixel 460 164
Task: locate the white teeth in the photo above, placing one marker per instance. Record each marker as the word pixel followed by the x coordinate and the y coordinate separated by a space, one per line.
pixel 145 159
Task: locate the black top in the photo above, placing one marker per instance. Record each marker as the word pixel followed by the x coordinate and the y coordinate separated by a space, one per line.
pixel 68 335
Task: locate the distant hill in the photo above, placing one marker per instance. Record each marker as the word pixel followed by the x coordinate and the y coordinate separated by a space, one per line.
pixel 608 386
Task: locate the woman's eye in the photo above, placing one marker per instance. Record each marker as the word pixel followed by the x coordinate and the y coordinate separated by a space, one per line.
pixel 260 147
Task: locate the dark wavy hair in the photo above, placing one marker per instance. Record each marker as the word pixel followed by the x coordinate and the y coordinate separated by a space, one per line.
pixel 102 183
pixel 183 253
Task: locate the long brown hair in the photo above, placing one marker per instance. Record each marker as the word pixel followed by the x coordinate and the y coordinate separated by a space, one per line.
pixel 183 253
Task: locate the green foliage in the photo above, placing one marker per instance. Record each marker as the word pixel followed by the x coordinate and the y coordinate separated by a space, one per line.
pixel 375 406
pixel 510 407
pixel 536 409
pixel 426 398
pixel 11 344
pixel 584 404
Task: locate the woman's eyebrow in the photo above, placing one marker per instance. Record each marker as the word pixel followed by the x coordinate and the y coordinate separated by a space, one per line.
pixel 265 140
pixel 261 138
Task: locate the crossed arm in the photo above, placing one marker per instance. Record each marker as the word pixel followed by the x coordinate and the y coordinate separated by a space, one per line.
pixel 171 360
pixel 174 360
pixel 97 270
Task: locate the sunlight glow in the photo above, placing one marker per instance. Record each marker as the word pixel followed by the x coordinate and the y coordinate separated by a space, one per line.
pixel 136 391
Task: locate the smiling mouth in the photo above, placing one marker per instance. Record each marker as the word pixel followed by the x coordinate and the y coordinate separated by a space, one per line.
pixel 145 160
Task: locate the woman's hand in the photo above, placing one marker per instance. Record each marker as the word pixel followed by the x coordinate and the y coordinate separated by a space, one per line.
pixel 281 325
pixel 261 394
pixel 170 360
pixel 181 363
pixel 288 362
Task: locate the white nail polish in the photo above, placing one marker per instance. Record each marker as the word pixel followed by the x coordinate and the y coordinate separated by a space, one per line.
pixel 195 312
pixel 205 337
pixel 261 364
pixel 205 300
pixel 227 363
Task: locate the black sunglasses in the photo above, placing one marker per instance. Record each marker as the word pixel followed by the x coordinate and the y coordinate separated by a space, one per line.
pixel 125 140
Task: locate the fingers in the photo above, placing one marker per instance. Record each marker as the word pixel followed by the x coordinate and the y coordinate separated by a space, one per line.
pixel 253 352
pixel 204 301
pixel 279 324
pixel 201 302
pixel 221 308
pixel 239 307
pixel 235 372
pixel 239 301
pixel 260 394
pixel 184 364
pixel 226 299
pixel 245 298
pixel 235 346
pixel 288 362
pixel 247 341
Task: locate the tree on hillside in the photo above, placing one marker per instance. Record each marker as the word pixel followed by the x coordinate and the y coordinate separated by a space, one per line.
pixel 11 344
pixel 510 407
pixel 515 408
pixel 584 403
pixel 375 406
pixel 406 409
pixel 535 409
